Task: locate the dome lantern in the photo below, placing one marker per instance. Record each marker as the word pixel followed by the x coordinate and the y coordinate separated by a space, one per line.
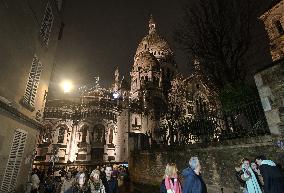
pixel 152 25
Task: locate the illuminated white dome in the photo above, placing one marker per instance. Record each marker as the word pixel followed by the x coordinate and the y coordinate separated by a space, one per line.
pixel 154 43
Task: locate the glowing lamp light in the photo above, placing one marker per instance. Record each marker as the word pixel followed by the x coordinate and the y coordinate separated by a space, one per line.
pixel 67 86
pixel 115 95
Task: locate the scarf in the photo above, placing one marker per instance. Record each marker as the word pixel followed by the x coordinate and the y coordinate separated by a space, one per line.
pixel 251 182
pixel 172 188
pixel 96 187
pixel 268 162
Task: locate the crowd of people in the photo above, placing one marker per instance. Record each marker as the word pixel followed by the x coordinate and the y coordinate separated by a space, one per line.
pixel 102 179
pixel 260 176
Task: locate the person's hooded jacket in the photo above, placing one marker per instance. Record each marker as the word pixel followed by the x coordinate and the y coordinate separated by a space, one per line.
pixel 192 182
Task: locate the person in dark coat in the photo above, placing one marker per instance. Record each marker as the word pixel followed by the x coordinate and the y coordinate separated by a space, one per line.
pixel 110 183
pixel 257 174
pixel 272 176
pixel 193 182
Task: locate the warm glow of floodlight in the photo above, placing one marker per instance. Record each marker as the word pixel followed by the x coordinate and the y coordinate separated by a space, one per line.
pixel 67 86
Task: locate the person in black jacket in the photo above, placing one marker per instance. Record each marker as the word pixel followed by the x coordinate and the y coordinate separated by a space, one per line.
pixel 272 176
pixel 110 183
pixel 193 182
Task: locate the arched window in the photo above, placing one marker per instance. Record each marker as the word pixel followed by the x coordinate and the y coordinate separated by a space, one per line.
pixel 168 72
pixel 197 86
pixel 110 137
pixel 84 130
pixel 61 133
pixel 98 133
pixel 46 134
pixel 279 27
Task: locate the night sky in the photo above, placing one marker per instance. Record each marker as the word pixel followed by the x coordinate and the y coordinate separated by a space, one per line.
pixel 100 35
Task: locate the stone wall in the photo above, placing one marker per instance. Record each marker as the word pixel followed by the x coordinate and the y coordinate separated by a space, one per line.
pixel 273 19
pixel 218 162
pixel 270 85
pixel 7 130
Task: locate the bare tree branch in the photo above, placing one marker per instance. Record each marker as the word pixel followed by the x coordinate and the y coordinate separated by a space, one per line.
pixel 218 33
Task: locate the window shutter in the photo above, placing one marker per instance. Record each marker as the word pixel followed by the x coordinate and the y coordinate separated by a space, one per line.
pixel 33 82
pixel 14 161
pixel 46 24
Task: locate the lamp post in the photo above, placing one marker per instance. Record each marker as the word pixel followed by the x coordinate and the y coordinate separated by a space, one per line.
pixel 67 86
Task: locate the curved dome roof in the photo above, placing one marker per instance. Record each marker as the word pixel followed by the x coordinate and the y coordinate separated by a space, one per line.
pixel 146 60
pixel 153 42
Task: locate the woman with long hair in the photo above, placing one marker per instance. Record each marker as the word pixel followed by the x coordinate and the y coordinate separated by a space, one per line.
pixel 80 185
pixel 170 183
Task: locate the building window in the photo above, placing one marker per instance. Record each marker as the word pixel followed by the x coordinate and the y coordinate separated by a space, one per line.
pixel 279 27
pixel 61 134
pixel 135 121
pixel 98 135
pixel 190 109
pixel 110 138
pixel 14 162
pixel 84 133
pixel 32 85
pixel 60 35
pixel 59 4
pixel 46 24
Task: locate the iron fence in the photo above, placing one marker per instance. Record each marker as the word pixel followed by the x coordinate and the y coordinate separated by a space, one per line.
pixel 246 120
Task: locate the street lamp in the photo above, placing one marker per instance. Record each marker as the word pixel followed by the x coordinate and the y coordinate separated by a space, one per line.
pixel 115 95
pixel 67 86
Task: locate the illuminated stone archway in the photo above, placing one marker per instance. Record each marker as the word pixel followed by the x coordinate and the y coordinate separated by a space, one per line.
pixel 61 131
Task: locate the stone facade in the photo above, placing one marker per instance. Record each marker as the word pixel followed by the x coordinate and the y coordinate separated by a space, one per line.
pixel 274 24
pixel 270 84
pixel 29 36
pixel 85 129
pixel 270 81
pixel 129 115
pixel 218 162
